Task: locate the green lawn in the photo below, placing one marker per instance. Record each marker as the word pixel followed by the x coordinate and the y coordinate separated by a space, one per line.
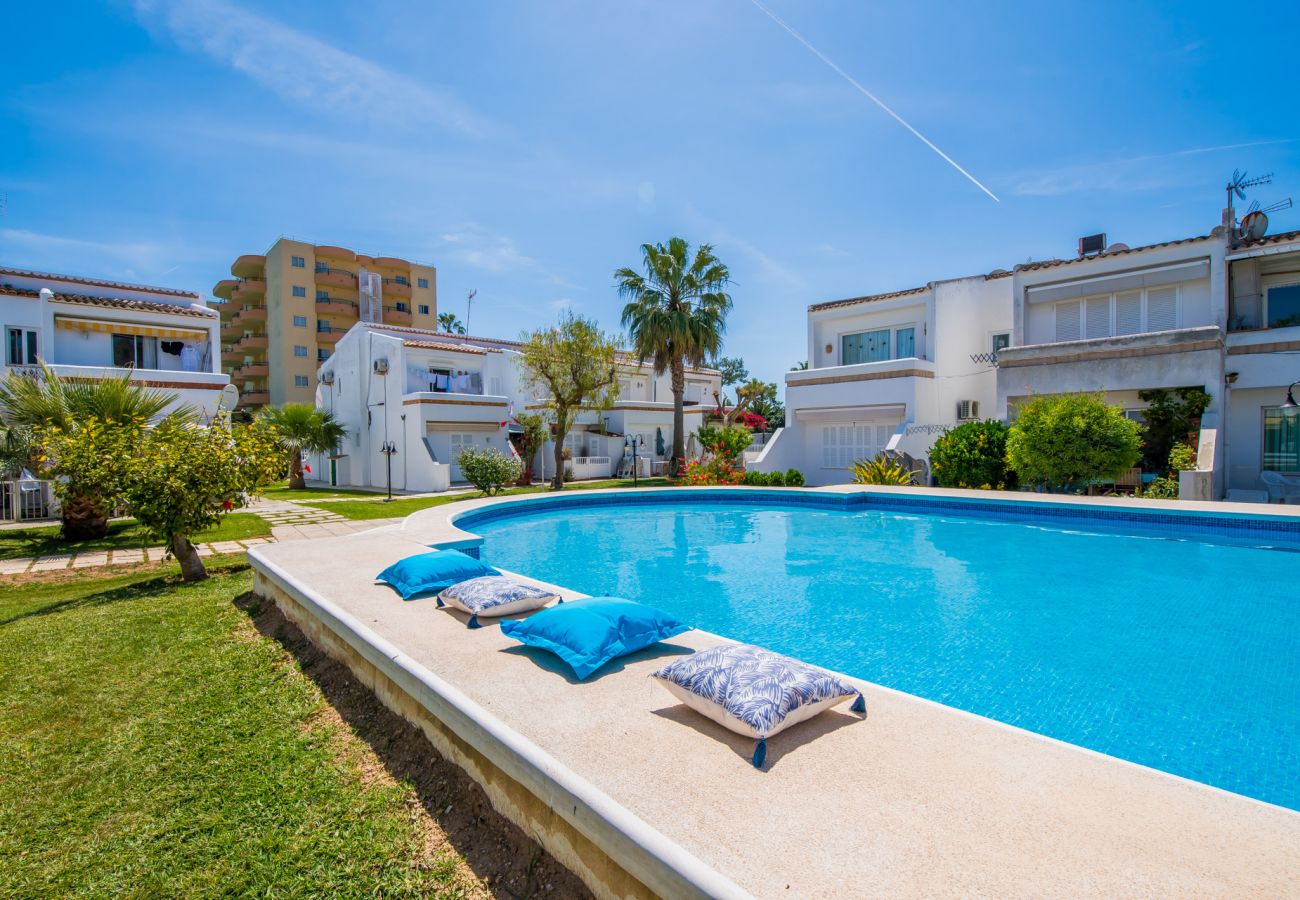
pixel 404 506
pixel 283 492
pixel 122 535
pixel 153 743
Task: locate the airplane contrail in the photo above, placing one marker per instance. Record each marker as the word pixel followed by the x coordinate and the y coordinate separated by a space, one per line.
pixel 873 98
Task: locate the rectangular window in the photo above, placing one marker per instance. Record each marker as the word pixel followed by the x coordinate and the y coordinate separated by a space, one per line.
pixel 21 347
pixel 322 266
pixel 298 262
pixel 323 327
pixel 401 279
pixel 865 347
pixel 843 445
pixel 422 282
pixel 1001 342
pixel 402 307
pixel 1283 305
pixel 1067 320
pixel 905 343
pixel 322 354
pixel 299 291
pixel 299 321
pixel 424 309
pixel 134 351
pixel 300 381
pixel 1162 309
pixel 1128 312
pixel 299 350
pixel 1096 317
pixel 322 295
pixel 1281 441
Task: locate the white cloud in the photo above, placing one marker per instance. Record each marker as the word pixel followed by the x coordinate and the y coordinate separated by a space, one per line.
pixel 130 259
pixel 482 250
pixel 303 69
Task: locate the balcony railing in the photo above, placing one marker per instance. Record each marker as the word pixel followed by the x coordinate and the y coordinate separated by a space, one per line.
pixel 394 316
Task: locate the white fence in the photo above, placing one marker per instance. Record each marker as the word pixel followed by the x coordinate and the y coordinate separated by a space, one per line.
pixel 27 500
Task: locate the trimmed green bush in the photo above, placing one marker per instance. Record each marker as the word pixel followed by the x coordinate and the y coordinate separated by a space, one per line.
pixel 794 478
pixel 489 469
pixel 973 455
pixel 1065 441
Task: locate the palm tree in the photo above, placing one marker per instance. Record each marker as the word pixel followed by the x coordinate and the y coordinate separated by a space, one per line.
pixel 676 313
pixel 448 322
pixel 301 427
pixel 49 401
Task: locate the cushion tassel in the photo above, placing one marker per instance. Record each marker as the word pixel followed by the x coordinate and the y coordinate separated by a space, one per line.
pixel 859 705
pixel 440 603
pixel 473 621
pixel 760 753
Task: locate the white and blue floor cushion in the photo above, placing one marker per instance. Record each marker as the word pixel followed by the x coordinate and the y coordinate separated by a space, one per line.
pixel 494 595
pixel 753 691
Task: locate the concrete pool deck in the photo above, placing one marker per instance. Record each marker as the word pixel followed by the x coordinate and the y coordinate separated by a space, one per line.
pixel 640 796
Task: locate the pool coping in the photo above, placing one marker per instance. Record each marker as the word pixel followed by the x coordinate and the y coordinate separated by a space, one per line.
pixel 660 861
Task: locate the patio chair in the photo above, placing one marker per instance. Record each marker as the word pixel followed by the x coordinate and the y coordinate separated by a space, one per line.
pixel 1281 488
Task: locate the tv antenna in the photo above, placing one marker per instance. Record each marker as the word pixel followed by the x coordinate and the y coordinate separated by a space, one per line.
pixel 1240 182
pixel 469 305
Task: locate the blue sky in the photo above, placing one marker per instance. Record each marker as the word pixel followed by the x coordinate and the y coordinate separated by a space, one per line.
pixel 528 149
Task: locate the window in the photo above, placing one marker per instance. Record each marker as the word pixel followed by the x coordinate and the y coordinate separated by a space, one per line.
pixel 322 266
pixel 322 354
pixel 422 282
pixel 401 279
pixel 868 346
pixel 402 307
pixel 322 295
pixel 21 347
pixel 300 381
pixel 843 445
pixel 1283 305
pixel 905 343
pixel 424 309
pixel 298 262
pixel 460 442
pixel 134 351
pixel 1001 342
pixel 299 321
pixel 299 350
pixel 1281 441
pixel 323 327
pixel 299 291
pixel 1113 315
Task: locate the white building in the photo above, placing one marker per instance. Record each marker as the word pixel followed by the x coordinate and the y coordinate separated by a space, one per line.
pixel 893 371
pixel 90 329
pixel 427 395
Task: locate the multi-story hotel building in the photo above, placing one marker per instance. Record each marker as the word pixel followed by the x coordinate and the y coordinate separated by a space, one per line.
pixel 286 309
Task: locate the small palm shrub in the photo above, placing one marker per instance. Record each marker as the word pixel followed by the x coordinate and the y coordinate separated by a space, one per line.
pixel 488 469
pixel 882 470
pixel 973 455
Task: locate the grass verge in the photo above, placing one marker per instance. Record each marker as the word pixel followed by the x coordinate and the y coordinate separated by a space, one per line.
pixel 404 506
pixel 125 534
pixel 154 742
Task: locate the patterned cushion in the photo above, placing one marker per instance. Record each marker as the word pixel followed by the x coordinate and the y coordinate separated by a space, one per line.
pixel 494 595
pixel 753 691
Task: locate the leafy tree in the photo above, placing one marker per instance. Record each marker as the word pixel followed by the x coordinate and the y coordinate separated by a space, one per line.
pixel 573 365
pixel 1170 417
pixel 532 437
pixel 732 368
pixel 87 462
pixel 50 401
pixel 448 322
pixel 299 428
pixel 726 442
pixel 770 408
pixel 973 455
pixel 676 313
pixel 1064 440
pixel 488 469
pixel 800 366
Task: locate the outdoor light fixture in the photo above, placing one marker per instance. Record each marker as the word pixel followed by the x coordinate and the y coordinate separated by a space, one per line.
pixel 1290 408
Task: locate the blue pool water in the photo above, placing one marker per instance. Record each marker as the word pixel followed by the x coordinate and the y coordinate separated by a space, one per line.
pixel 1182 654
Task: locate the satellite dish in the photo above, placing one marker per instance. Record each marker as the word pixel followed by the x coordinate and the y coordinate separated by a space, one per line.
pixel 229 397
pixel 1116 248
pixel 1253 226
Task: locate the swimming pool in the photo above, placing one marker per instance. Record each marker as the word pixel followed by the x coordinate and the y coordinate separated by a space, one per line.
pixel 1172 646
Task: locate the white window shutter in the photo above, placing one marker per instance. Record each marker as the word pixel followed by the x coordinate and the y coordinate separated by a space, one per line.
pixel 1162 309
pixel 1097 317
pixel 1067 320
pixel 1128 313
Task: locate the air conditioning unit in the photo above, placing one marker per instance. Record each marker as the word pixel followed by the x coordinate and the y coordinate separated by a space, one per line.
pixel 968 409
pixel 381 366
pixel 325 377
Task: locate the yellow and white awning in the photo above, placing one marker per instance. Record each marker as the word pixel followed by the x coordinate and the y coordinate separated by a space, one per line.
pixel 72 323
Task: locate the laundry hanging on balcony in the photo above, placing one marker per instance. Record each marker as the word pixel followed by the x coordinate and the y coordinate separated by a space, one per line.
pixel 72 323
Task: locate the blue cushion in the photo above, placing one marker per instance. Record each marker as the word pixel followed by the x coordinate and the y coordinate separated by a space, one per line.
pixel 586 634
pixel 427 573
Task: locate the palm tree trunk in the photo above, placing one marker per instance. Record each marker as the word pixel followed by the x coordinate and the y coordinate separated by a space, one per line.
pixel 84 519
pixel 296 479
pixel 679 416
pixel 187 555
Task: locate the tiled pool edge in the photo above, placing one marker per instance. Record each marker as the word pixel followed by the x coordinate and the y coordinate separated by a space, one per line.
pixel 614 853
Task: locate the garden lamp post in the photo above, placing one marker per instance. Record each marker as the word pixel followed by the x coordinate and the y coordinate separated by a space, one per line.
pixel 1290 408
pixel 388 449
pixel 634 439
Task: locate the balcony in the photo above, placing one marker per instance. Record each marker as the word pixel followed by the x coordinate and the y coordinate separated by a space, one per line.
pixel 330 336
pixel 232 332
pixel 335 307
pixel 250 314
pixel 329 275
pixel 887 390
pixel 251 370
pixel 393 288
pixel 433 406
pixel 253 342
pixel 250 265
pixel 224 287
pixel 394 316
pixel 232 354
pixel 335 252
pixel 392 262
pixel 249 290
pixel 254 398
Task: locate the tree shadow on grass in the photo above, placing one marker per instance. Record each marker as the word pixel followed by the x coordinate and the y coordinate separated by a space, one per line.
pixel 497 851
pixel 136 590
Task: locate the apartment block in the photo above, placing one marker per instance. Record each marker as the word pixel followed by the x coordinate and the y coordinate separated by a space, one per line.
pixel 285 310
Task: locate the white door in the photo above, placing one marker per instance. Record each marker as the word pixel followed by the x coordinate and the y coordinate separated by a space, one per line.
pixel 459 442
